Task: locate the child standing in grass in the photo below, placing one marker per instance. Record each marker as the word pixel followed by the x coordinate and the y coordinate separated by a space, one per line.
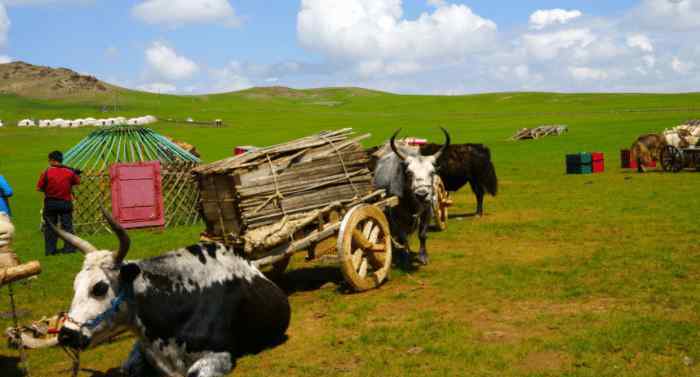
pixel 5 194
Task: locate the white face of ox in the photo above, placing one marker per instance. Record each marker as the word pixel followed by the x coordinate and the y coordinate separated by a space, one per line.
pixel 420 172
pixel 95 286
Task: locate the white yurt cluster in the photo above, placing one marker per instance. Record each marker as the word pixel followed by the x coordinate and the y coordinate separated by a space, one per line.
pixel 87 122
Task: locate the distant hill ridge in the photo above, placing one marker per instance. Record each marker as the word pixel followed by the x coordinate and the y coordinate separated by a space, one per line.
pixel 28 80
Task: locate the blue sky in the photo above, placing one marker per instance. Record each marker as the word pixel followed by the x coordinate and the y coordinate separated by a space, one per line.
pixel 410 46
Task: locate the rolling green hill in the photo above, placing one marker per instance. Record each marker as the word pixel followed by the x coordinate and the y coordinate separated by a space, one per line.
pixel 565 275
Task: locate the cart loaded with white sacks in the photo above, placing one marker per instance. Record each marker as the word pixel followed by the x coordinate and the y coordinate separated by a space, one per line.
pixel 675 159
pixel 311 195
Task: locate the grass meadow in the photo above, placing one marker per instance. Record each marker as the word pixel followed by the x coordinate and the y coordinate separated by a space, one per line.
pixel 593 275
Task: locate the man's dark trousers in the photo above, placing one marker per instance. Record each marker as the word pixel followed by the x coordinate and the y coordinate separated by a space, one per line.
pixel 57 211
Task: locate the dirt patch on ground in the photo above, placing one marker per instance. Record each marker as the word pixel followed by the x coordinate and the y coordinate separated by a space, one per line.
pixel 546 361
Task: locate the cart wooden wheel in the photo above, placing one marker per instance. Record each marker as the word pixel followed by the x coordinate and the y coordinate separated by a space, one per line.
pixel 440 204
pixel 364 247
pixel 671 159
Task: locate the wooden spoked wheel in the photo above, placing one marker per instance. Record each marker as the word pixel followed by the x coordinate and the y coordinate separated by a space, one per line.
pixel 671 159
pixel 364 247
pixel 440 204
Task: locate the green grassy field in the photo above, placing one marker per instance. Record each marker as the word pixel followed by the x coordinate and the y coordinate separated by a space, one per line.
pixel 565 275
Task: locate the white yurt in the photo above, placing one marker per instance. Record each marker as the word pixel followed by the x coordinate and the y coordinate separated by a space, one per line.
pixel 133 122
pixel 58 122
pixel 63 123
pixel 118 121
pixel 89 121
pixel 26 123
pixel 150 119
pixel 77 123
pixel 2 124
pixel 43 123
pixel 100 122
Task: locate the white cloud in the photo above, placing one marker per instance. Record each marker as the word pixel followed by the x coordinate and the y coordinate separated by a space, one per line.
pixel 547 46
pixel 587 73
pixel 158 87
pixel 669 14
pixel 649 61
pixel 180 12
pixel 4 59
pixel 231 78
pixel 543 18
pixel 4 25
pixel 373 37
pixel 682 67
pixel 641 42
pixel 167 64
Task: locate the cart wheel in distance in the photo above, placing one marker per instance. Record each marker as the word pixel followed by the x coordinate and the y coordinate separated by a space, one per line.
pixel 364 247
pixel 671 159
pixel 440 204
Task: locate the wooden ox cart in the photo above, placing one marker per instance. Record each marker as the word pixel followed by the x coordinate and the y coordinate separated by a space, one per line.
pixel 674 159
pixel 312 195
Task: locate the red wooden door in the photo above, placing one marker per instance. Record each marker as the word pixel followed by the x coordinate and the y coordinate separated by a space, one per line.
pixel 137 199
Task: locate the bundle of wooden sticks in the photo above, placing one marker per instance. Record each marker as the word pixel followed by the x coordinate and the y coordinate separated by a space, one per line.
pixel 263 186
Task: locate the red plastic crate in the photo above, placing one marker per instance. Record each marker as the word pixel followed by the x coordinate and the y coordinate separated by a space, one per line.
pixel 628 163
pixel 651 164
pixel 598 163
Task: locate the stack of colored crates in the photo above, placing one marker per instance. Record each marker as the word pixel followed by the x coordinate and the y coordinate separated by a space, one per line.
pixel 579 163
pixel 598 162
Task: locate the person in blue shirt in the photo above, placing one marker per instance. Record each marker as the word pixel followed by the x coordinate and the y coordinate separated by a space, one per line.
pixel 5 193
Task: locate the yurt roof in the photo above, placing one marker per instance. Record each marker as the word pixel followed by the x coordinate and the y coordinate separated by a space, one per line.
pixel 124 144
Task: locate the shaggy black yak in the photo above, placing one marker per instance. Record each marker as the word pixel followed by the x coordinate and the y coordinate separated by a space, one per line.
pixel 466 163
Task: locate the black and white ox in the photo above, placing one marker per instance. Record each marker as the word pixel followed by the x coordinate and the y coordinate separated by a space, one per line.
pixel 407 174
pixel 194 310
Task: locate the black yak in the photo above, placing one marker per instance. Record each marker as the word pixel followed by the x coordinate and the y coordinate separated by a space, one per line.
pixel 466 163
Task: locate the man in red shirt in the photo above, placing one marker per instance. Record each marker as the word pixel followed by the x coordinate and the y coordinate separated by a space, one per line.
pixel 57 183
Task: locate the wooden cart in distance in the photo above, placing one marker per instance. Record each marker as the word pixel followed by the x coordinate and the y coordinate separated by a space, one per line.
pixel 312 195
pixel 675 159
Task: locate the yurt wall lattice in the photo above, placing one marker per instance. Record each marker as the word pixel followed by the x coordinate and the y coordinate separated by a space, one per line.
pixel 130 144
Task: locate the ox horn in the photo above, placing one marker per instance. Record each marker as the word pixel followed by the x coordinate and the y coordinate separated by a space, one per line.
pixel 124 241
pixel 75 241
pixel 393 145
pixel 444 146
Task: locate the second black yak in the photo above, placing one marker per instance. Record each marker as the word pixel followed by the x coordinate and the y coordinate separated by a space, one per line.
pixel 466 163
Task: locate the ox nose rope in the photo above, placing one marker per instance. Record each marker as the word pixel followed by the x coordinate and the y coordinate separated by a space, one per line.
pixel 74 353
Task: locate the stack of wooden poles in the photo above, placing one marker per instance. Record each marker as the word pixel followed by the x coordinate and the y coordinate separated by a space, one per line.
pixel 288 179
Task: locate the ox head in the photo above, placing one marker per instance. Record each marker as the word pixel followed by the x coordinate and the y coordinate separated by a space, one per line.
pixel 419 171
pixel 96 313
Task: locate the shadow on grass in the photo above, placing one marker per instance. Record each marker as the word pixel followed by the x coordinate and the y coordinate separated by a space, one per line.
pixel 309 279
pixel 462 215
pixel 114 372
